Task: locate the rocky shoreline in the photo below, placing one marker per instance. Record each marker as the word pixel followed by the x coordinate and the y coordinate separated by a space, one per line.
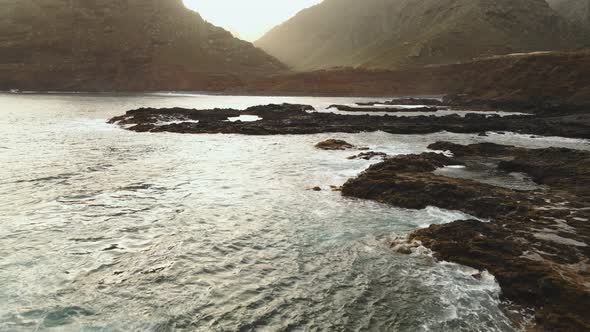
pixel 536 243
pixel 302 119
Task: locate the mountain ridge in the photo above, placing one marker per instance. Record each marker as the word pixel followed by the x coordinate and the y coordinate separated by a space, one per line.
pixel 397 33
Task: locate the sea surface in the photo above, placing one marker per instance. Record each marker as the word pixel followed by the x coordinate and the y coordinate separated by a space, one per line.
pixel 103 229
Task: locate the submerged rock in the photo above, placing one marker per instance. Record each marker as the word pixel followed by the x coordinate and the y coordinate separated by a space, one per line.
pixel 336 188
pixel 334 144
pixel 537 243
pixel 369 155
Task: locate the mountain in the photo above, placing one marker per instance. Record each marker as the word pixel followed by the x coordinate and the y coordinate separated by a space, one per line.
pixel 399 33
pixel 577 11
pixel 119 45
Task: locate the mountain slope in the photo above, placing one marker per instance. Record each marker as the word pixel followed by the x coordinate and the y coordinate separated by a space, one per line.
pixel 117 44
pixel 397 33
pixel 577 11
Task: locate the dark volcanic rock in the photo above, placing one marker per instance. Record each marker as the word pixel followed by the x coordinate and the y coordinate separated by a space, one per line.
pixel 182 120
pixel 407 181
pixel 369 155
pixel 481 149
pixel 384 109
pixel 295 119
pixel 537 242
pixel 556 167
pixel 334 144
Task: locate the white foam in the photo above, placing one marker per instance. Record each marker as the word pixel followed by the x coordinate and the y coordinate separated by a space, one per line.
pixel 164 123
pixel 455 166
pixel 390 106
pixel 439 113
pixel 244 118
pixel 448 216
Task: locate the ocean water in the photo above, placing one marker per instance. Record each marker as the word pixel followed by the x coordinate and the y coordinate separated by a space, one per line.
pixel 103 229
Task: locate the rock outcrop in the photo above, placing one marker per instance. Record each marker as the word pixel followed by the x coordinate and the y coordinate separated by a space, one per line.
pixel 334 144
pixel 123 45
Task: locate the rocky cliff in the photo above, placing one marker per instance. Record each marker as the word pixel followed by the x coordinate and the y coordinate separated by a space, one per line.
pixel 119 45
pixel 401 33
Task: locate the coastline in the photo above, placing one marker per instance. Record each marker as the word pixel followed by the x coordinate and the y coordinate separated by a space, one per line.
pixel 541 268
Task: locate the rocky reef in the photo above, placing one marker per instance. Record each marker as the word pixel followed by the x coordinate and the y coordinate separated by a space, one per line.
pixel 302 119
pixel 535 242
pixel 334 144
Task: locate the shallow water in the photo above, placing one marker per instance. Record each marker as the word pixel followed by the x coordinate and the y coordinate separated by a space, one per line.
pixel 488 172
pixel 104 229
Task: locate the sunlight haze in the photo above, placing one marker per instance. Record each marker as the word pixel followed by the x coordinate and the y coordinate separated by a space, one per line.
pixel 248 20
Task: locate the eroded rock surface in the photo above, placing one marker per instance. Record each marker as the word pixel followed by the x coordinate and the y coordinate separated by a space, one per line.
pixel 536 243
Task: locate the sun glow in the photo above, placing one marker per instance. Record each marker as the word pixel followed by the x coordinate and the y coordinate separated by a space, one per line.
pixel 248 20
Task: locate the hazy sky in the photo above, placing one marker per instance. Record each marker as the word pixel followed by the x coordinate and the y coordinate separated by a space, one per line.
pixel 249 19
